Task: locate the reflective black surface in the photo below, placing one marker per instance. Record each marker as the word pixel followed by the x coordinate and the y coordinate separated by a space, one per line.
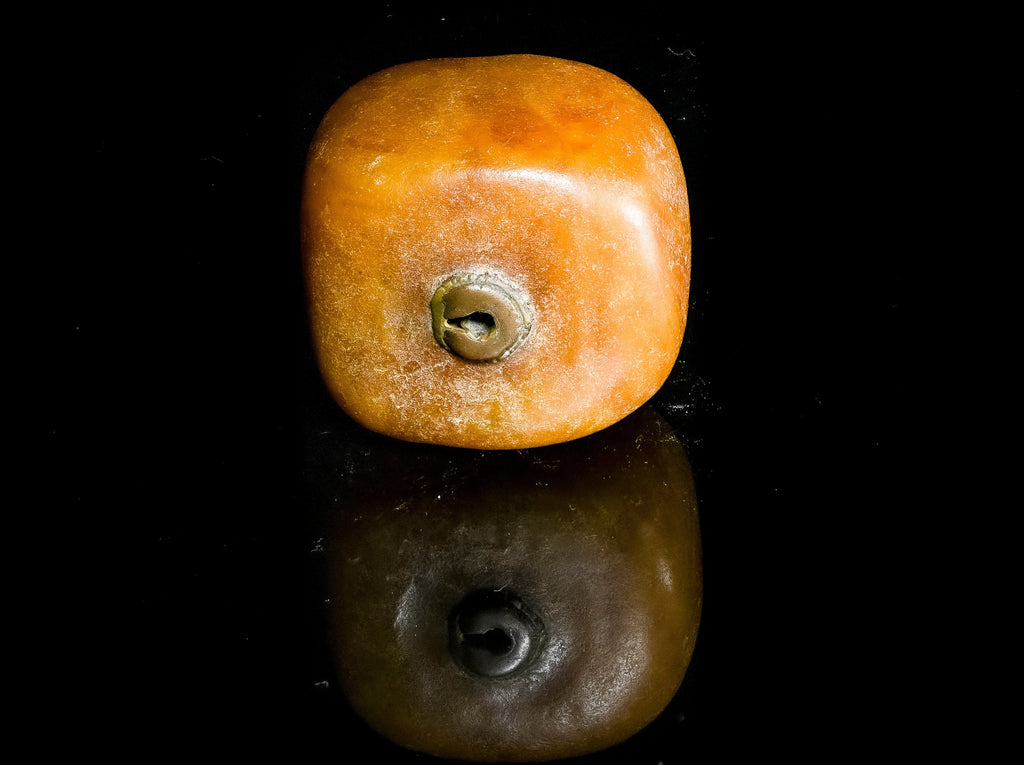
pixel 586 555
pixel 183 395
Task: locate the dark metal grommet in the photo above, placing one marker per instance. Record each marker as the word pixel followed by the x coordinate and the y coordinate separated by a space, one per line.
pixel 480 317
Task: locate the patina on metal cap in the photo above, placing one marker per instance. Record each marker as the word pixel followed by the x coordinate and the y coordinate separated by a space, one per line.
pixel 480 317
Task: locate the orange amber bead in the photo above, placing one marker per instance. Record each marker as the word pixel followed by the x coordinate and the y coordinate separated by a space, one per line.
pixel 497 251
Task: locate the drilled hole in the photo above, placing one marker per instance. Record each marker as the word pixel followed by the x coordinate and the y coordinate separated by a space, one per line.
pixel 494 641
pixel 479 325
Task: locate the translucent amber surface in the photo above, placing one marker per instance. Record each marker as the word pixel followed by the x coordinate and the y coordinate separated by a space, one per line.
pixel 556 178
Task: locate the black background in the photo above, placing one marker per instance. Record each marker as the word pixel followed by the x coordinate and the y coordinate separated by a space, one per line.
pixel 181 390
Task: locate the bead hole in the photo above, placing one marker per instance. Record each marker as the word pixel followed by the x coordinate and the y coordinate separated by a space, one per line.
pixel 494 641
pixel 478 325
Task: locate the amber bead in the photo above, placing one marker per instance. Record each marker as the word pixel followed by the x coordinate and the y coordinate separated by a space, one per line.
pixel 554 182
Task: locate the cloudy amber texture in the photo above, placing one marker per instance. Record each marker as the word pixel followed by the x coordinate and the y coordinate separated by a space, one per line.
pixel 554 176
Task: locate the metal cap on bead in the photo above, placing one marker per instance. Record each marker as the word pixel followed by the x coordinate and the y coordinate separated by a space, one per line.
pixel 480 317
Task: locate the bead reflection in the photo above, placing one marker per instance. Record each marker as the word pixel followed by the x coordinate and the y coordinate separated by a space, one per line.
pixel 517 605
